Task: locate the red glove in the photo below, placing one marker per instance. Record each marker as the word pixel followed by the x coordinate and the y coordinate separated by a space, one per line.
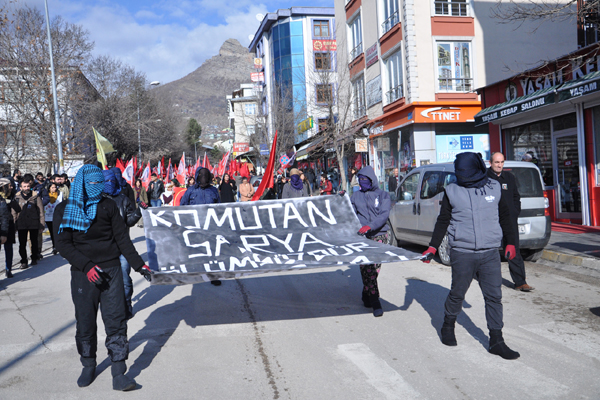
pixel 93 275
pixel 510 252
pixel 146 273
pixel 426 254
pixel 143 205
pixel 363 231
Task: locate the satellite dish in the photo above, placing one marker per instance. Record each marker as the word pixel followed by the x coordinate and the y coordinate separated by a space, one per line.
pixel 260 17
pixel 250 37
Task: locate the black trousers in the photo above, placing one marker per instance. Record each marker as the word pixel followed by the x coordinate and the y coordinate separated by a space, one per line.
pixel 33 235
pixel 111 299
pixel 516 266
pixel 485 266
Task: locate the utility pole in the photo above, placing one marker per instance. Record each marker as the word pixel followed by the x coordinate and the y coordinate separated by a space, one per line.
pixel 61 162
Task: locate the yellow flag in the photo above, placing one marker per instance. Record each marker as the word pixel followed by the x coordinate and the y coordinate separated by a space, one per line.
pixel 103 146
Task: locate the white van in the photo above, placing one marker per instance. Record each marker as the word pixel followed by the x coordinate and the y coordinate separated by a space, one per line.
pixel 419 196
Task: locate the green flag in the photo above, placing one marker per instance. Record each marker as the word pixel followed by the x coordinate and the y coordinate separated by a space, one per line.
pixel 103 147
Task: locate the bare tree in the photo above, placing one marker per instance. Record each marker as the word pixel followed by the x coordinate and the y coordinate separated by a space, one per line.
pixel 543 10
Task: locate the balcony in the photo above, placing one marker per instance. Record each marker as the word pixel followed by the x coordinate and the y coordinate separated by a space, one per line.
pixel 394 94
pixel 455 84
pixel 357 51
pixel 390 23
pixel 452 8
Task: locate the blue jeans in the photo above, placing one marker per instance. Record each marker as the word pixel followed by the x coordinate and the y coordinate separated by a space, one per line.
pixel 155 203
pixel 8 254
pixel 127 282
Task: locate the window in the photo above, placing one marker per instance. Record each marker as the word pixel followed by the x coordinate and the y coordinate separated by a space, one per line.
pixel 323 61
pixel 358 98
pixel 393 70
pixel 390 15
pixel 454 8
pixel 535 138
pixel 454 67
pixel 408 190
pixel 432 184
pixel 355 38
pixel 321 28
pixel 323 124
pixel 249 109
pixel 250 129
pixel 324 93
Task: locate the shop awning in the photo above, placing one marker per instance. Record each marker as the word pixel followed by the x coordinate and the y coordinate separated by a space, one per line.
pixel 531 101
pixel 587 84
pixel 304 151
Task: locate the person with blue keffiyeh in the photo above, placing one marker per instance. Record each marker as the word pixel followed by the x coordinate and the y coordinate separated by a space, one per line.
pixel 91 234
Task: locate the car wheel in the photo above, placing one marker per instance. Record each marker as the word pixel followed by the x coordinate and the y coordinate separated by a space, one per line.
pixel 391 238
pixel 532 255
pixel 444 251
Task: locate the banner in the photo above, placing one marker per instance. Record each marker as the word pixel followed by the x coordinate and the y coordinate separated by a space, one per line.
pixel 190 244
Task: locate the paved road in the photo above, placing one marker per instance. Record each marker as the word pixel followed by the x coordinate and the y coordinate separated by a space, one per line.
pixel 306 335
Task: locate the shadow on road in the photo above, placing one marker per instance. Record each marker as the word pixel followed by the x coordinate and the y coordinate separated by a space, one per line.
pixel 432 297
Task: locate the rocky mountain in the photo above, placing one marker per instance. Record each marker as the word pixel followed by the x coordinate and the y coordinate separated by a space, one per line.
pixel 201 94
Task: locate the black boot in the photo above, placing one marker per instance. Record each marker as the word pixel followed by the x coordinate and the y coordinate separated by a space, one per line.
pixel 448 336
pixel 376 304
pixel 365 299
pixel 499 348
pixel 88 373
pixel 120 381
pixel 216 282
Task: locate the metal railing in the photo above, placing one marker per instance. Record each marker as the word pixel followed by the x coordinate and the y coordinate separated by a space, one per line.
pixel 455 84
pixel 390 22
pixel 394 94
pixel 452 8
pixel 356 51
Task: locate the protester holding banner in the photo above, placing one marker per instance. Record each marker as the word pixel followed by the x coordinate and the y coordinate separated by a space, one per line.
pixel 246 190
pixel 131 215
pixel 227 189
pixel 91 234
pixel 295 187
pixel 372 207
pixel 476 215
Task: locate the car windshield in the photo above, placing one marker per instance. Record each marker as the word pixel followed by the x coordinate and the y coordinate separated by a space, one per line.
pixel 528 181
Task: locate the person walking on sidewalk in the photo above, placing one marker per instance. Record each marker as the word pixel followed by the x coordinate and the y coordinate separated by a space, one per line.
pixel 39 187
pixel 516 266
pixel 475 214
pixel 91 234
pixel 372 207
pixel 155 189
pixel 55 199
pixel 28 221
pixel 5 218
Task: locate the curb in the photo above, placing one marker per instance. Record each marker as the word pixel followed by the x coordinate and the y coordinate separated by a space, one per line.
pixel 570 259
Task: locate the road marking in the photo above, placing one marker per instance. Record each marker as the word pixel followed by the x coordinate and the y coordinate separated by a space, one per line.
pixel 380 375
pixel 573 338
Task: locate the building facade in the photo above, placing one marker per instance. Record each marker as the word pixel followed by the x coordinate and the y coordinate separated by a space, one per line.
pixel 244 118
pixel 296 48
pixel 415 66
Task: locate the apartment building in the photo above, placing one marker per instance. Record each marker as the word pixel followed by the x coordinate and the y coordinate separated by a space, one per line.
pixel 244 118
pixel 415 66
pixel 296 47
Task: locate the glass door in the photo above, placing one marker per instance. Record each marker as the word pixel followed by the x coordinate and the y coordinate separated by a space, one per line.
pixel 566 177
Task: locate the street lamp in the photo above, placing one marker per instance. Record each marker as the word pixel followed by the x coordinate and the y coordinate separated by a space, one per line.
pixel 153 83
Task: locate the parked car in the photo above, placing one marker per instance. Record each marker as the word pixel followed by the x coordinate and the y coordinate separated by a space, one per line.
pixel 418 198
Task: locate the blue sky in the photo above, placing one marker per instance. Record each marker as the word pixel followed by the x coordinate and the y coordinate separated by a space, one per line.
pixel 166 39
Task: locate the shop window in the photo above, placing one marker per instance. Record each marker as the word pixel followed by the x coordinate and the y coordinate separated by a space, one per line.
pixel 324 93
pixel 355 35
pixel 393 71
pixel 408 190
pixel 432 184
pixel 563 122
pixel 536 139
pixel 390 15
pixel 358 98
pixel 321 28
pixel 323 61
pixel 454 67
pixel 454 8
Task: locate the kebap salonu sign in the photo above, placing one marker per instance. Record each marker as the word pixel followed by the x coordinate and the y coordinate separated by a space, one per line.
pixel 190 244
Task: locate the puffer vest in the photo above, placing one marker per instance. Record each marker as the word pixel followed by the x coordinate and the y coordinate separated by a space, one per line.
pixel 475 223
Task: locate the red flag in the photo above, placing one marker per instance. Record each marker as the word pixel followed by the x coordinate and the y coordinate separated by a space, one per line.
pixel 161 167
pixel 181 171
pixel 146 175
pixel 119 164
pixel 168 173
pixel 267 180
pixel 135 168
pixel 205 162
pixel 223 164
pixel 244 171
pixel 128 173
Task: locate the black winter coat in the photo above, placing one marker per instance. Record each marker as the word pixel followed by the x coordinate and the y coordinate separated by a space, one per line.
pixel 227 192
pixel 5 217
pixel 130 213
pixel 508 183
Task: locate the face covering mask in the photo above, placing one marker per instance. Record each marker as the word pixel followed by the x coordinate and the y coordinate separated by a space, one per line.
pixel 364 183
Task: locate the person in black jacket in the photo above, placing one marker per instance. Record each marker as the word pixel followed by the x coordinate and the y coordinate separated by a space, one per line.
pixel 5 218
pixel 227 189
pixel 91 235
pixel 516 266
pixel 126 188
pixel 131 215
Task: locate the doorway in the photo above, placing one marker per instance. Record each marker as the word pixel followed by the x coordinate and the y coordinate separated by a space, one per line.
pixel 566 175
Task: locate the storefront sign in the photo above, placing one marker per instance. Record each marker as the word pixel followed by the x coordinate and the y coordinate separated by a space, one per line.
pixel 578 91
pixel 257 76
pixel 241 147
pixel 264 149
pixel 305 125
pixel 361 145
pixel 442 113
pixel 492 115
pixel 258 63
pixel 374 94
pixel 371 56
pixel 324 45
pixel 376 130
pixel 448 146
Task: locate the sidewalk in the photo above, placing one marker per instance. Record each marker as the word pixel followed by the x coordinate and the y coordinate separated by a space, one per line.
pixel 575 245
